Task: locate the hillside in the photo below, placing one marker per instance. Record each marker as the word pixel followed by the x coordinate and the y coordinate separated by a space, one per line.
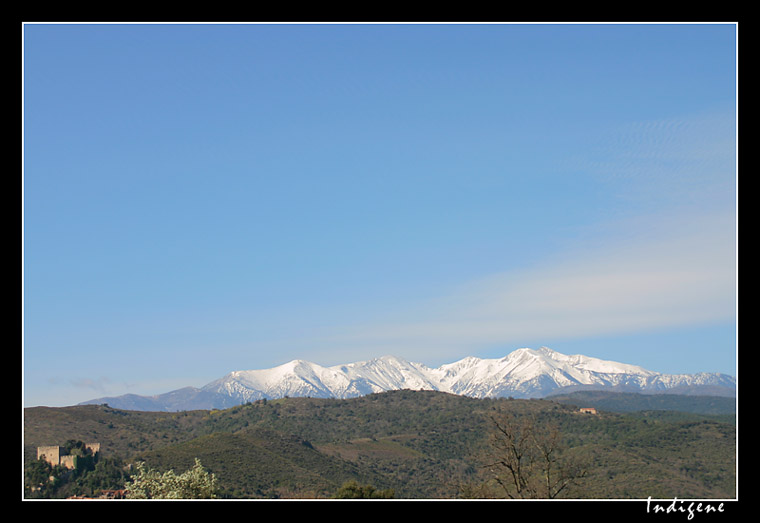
pixel 722 407
pixel 421 444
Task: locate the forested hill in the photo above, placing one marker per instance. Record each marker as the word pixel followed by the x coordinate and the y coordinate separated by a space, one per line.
pixel 417 444
pixel 722 406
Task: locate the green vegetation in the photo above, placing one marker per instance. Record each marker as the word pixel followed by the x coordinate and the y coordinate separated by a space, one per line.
pixel 91 475
pixel 352 490
pixel 195 483
pixel 415 444
pixel 723 408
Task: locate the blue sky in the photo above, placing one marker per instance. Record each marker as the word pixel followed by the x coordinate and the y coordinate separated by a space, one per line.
pixel 203 198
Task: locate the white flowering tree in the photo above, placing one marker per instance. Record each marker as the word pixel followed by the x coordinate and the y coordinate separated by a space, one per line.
pixel 196 483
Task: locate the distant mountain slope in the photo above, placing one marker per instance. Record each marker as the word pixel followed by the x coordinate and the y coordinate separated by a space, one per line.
pixel 524 373
pixel 632 402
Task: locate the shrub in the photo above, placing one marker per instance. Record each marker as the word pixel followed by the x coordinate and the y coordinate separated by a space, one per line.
pixel 195 483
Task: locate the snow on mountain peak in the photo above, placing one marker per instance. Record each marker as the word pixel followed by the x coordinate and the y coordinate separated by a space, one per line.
pixel 523 373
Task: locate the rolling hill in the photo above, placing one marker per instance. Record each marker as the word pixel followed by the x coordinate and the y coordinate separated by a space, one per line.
pixel 420 444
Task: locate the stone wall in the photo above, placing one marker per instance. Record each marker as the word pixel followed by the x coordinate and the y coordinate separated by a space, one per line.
pixel 55 455
pixel 51 454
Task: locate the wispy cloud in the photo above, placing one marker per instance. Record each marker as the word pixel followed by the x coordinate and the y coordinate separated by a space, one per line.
pixel 99 385
pixel 668 261
pixel 673 278
pixel 105 386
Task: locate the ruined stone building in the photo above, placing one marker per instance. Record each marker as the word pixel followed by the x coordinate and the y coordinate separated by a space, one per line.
pixel 56 455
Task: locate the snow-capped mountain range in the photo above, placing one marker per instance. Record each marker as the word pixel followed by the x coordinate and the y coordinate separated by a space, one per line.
pixel 524 373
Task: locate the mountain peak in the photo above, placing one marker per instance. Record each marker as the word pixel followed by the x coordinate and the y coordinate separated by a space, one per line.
pixel 523 373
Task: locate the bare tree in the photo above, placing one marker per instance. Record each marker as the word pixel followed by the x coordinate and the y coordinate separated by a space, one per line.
pixel 528 460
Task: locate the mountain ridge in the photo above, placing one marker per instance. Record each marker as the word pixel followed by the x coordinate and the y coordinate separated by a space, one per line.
pixel 523 373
